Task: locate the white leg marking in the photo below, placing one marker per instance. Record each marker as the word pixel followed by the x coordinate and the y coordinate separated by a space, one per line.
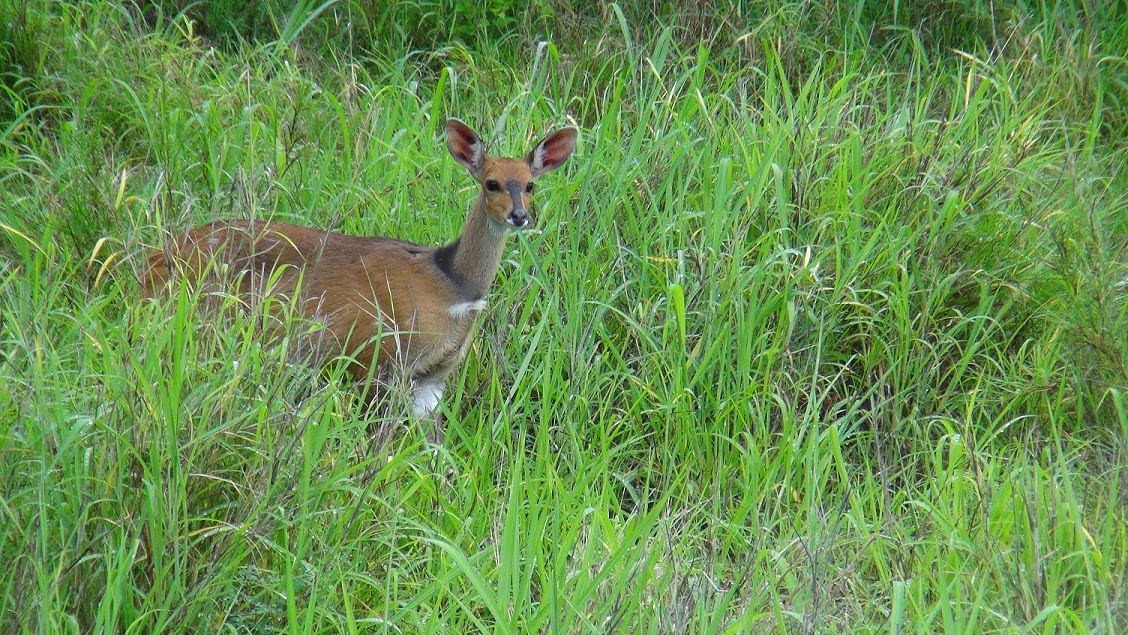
pixel 425 398
pixel 463 309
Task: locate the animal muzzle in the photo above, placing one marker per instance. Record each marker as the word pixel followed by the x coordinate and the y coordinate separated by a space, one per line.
pixel 518 218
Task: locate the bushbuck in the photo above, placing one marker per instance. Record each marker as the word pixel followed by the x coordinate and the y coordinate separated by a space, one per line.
pixel 394 308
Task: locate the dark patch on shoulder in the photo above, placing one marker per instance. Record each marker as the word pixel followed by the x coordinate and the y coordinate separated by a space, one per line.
pixel 444 260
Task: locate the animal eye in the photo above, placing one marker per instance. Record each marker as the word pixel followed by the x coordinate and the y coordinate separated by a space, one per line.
pixel 529 188
pixel 493 186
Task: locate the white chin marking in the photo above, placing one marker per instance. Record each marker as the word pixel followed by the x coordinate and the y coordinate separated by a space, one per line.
pixel 463 309
pixel 425 398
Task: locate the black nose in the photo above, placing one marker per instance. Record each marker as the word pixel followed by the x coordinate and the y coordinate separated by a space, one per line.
pixel 518 218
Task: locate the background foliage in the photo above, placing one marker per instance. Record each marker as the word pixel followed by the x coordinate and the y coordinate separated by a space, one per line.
pixel 822 329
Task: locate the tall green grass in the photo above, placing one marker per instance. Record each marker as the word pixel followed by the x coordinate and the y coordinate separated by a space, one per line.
pixel 821 329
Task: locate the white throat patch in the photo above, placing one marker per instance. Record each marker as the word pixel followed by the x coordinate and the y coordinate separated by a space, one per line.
pixel 464 309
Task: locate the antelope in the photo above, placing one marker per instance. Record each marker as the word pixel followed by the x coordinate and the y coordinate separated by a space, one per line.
pixel 394 308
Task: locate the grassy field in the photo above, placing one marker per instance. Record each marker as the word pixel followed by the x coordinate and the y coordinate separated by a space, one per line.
pixel 822 328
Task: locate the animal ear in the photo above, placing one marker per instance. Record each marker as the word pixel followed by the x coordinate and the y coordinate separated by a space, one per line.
pixel 465 146
pixel 553 151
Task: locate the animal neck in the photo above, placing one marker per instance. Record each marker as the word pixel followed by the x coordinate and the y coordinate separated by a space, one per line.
pixel 473 258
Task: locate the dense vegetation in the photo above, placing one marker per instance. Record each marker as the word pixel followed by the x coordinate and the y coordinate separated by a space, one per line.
pixel 822 328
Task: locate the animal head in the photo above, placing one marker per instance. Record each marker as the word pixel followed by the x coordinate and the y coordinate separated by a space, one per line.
pixel 507 183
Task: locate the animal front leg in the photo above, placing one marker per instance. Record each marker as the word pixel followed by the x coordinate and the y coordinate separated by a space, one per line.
pixel 425 398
